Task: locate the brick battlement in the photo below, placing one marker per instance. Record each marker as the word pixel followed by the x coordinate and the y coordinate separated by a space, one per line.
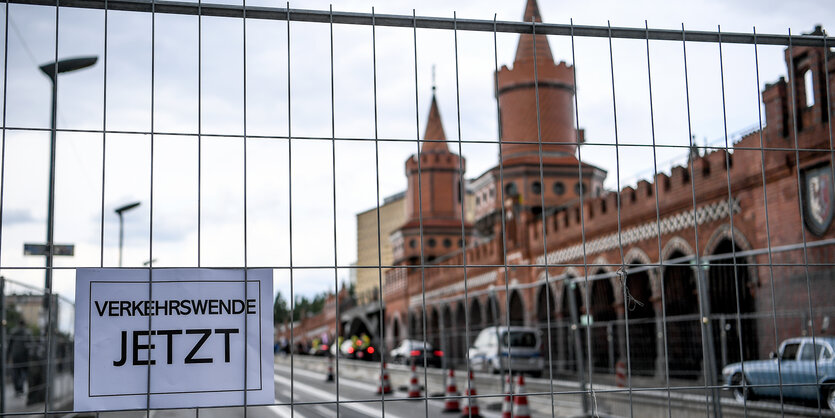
pixel 435 161
pixel 548 74
pixel 675 193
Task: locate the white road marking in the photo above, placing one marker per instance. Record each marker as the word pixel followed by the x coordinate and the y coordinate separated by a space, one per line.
pixel 323 410
pixel 283 411
pixel 359 407
pixel 344 381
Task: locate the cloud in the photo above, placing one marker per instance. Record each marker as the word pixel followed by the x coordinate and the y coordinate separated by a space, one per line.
pixel 18 216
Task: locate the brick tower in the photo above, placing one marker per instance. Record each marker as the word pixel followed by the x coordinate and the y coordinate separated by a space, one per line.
pixel 558 182
pixel 434 183
pixel 517 99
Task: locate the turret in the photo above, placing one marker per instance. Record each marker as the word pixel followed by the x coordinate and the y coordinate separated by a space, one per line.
pixel 517 88
pixel 438 175
pixel 433 198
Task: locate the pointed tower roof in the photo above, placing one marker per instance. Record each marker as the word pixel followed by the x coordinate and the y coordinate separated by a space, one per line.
pixel 434 130
pixel 524 50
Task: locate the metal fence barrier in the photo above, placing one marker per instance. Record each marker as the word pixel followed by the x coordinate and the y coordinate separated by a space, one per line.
pixel 641 297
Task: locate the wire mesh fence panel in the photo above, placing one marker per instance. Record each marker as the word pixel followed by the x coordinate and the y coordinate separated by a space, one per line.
pixel 455 215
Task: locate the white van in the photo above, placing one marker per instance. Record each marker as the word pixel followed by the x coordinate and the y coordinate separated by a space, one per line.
pixel 521 344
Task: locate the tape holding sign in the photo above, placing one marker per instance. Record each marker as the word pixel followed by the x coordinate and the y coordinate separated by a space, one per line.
pixel 193 328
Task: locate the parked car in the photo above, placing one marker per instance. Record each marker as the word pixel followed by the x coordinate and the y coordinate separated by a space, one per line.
pixel 795 363
pixel 343 348
pixel 356 348
pixel 417 351
pixel 319 349
pixel 521 345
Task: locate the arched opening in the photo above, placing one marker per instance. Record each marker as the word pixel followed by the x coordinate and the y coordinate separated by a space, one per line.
pixel 476 320
pixel 725 282
pixel 490 312
pixel 416 325
pixel 395 333
pixel 433 334
pixel 545 305
pixel 684 339
pixel 546 315
pixel 642 335
pixel 571 296
pixel 603 338
pixel 458 337
pixel 358 327
pixel 447 331
pixel 517 309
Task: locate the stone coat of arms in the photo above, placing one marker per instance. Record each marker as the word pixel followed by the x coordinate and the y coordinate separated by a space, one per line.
pixel 817 198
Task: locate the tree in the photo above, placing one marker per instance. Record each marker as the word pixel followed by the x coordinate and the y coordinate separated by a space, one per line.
pixel 306 306
pixel 280 310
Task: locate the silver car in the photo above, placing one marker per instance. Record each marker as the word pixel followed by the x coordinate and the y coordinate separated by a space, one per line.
pixel 520 350
pixel 801 369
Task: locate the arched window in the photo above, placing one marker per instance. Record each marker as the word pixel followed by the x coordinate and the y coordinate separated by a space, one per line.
pixel 579 189
pixel 809 87
pixel 559 188
pixel 510 190
pixel 536 187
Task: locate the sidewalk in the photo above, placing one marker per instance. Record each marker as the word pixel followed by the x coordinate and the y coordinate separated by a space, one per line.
pixel 60 393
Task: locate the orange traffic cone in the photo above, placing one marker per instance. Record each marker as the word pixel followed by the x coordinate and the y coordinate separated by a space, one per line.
pixel 414 386
pixel 620 374
pixel 329 377
pixel 451 404
pixel 385 385
pixel 507 404
pixel 470 409
pixel 520 401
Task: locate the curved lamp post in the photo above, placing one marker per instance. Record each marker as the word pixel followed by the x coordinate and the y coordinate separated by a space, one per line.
pixel 52 70
pixel 119 212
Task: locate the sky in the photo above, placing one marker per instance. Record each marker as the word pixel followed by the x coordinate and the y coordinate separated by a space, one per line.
pixel 203 90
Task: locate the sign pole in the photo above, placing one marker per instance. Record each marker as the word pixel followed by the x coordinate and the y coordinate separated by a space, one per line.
pixel 4 344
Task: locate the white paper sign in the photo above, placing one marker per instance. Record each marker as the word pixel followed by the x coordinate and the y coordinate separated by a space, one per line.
pixel 189 330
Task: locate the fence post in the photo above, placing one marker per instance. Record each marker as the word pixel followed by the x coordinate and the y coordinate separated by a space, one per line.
pixel 444 347
pixel 3 343
pixel 723 339
pixel 495 309
pixel 610 338
pixel 707 342
pixel 578 346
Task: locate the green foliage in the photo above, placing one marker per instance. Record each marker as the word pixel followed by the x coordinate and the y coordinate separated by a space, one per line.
pixel 281 312
pixel 307 306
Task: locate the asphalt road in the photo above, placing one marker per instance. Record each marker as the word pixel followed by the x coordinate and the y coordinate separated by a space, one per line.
pixel 313 397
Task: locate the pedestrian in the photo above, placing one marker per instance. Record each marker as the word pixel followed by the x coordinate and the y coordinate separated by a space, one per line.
pixel 19 355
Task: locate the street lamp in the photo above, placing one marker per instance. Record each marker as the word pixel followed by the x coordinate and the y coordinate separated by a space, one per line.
pixel 119 211
pixel 52 70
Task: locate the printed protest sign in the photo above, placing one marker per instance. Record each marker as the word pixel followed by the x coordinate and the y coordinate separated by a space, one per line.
pixel 195 333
